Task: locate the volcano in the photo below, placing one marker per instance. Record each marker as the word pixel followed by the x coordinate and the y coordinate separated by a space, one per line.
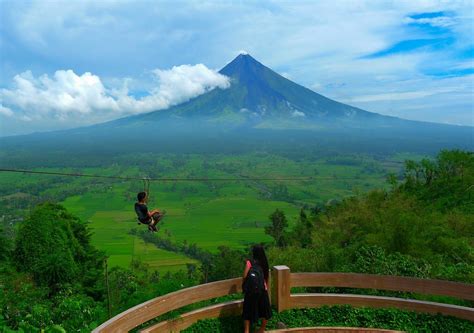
pixel 258 97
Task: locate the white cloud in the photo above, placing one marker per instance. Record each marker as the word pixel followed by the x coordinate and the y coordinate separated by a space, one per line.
pixel 66 95
pixel 444 100
pixel 468 64
pixel 5 111
pixel 404 95
pixel 298 114
pixel 184 82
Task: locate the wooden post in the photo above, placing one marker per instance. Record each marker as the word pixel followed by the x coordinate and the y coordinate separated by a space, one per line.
pixel 281 287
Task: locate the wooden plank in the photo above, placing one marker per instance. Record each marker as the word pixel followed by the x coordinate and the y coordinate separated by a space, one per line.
pixel 333 330
pixel 317 300
pixel 155 307
pixel 185 320
pixel 383 282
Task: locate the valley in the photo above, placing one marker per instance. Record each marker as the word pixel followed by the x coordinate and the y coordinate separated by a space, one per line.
pixel 208 214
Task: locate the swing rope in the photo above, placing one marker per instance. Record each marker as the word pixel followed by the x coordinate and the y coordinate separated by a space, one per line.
pixel 146 186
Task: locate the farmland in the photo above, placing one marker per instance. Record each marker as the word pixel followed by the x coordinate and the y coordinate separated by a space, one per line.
pixel 207 213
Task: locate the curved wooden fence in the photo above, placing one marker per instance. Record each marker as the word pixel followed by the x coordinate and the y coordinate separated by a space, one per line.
pixel 284 281
pixel 155 307
pixel 281 283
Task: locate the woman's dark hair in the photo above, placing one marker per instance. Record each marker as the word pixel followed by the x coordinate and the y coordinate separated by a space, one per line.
pixel 141 196
pixel 258 254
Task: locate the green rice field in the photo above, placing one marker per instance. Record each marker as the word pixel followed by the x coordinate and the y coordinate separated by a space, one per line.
pixel 207 213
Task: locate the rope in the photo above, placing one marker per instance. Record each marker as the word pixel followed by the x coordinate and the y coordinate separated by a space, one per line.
pixel 171 179
pixel 146 187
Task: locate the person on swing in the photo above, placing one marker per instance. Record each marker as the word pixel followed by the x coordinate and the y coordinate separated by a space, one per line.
pixel 145 216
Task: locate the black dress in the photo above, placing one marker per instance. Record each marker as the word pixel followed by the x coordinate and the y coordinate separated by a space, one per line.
pixel 257 306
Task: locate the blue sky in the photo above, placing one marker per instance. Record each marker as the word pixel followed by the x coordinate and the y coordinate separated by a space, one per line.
pixel 72 63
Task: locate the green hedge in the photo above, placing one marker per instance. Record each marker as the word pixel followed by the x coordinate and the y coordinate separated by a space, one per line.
pixel 346 316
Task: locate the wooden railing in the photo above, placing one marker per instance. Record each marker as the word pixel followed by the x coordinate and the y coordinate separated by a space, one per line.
pixel 155 307
pixel 282 282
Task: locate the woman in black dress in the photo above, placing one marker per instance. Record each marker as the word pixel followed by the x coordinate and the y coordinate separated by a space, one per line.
pixel 257 306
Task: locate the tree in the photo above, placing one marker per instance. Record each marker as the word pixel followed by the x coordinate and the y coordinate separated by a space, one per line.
pixel 226 264
pixel 302 231
pixel 277 227
pixel 444 182
pixel 191 270
pixel 4 246
pixel 54 246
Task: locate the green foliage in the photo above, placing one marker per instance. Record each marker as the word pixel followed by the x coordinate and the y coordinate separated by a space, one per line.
pixel 18 295
pixel 375 260
pixel 226 264
pixel 302 230
pixel 277 227
pixel 66 311
pixel 57 281
pixel 29 308
pixel 304 259
pixel 54 247
pixel 427 217
pixel 129 287
pixel 410 230
pixel 4 246
pixel 445 183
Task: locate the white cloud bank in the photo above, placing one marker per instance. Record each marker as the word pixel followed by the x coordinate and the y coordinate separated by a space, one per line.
pixel 68 96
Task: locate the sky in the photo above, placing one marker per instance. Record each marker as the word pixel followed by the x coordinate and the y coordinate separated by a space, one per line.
pixel 71 63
